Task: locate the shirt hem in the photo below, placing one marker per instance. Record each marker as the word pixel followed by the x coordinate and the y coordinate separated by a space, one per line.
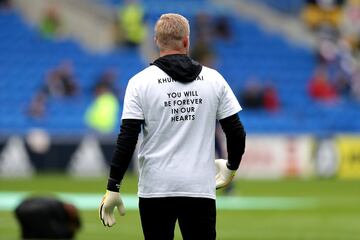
pixel 176 194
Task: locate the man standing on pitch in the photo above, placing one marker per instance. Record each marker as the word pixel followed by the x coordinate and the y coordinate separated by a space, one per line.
pixel 176 102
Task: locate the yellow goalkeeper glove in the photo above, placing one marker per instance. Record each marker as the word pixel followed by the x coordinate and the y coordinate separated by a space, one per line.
pixel 106 209
pixel 223 174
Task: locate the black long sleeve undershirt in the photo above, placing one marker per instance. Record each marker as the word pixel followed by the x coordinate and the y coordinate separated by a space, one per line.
pixel 235 140
pixel 125 147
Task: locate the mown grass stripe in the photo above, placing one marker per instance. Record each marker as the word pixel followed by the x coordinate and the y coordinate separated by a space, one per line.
pixel 91 201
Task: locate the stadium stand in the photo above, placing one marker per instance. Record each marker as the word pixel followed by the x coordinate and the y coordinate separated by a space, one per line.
pixel 252 51
pixel 26 58
pixel 288 7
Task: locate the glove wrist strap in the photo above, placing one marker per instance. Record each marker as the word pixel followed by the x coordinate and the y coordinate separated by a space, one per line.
pixel 228 165
pixel 113 185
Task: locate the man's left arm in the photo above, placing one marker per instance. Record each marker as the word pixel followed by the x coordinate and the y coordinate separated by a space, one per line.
pixel 235 142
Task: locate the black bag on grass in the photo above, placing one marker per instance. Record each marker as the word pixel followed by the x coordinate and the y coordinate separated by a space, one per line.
pixel 47 218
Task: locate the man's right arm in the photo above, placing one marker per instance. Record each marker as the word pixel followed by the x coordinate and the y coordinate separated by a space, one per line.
pixel 125 147
pixel 124 150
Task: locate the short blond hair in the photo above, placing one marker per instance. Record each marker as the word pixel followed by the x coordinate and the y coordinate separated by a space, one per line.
pixel 170 29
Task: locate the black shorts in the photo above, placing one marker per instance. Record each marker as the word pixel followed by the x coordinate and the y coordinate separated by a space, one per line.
pixel 196 217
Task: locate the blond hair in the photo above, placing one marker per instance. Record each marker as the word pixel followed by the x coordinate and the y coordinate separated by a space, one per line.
pixel 170 29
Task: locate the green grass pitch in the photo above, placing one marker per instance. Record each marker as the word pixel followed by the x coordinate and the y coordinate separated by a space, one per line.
pixel 336 214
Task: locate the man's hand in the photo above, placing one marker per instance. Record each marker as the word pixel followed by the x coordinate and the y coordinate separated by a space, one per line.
pixel 108 203
pixel 223 175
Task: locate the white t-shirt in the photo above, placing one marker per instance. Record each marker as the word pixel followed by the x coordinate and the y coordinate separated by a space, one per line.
pixel 176 157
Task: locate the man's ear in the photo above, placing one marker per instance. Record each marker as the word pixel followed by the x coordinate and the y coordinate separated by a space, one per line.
pixel 186 42
pixel 155 40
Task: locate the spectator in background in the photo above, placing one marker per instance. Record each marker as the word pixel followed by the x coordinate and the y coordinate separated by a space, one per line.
pixel 223 28
pixel 252 96
pixel 102 114
pixel 271 98
pixel 255 95
pixel 60 82
pixel 203 28
pixel 131 24
pixel 320 88
pixel 334 55
pixel 108 80
pixel 203 53
pixel 50 22
pixel 202 50
pixel 318 13
pixel 351 27
pixel 37 106
pixel 206 30
pixel 342 84
pixel 327 50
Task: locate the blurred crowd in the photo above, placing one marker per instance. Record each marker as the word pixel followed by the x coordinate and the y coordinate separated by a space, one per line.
pixel 336 25
pixel 60 83
pixel 130 31
pixel 256 95
pixel 206 30
pixel 336 77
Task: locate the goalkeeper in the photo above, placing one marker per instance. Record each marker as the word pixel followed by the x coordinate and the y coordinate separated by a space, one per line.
pixel 175 102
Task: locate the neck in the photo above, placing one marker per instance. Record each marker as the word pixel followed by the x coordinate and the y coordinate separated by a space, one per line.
pixel 171 52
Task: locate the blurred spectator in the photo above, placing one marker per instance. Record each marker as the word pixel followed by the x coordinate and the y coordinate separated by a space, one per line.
pixel 320 88
pixel 252 96
pixel 323 12
pixel 206 28
pixel 108 79
pixel 50 22
pixel 60 82
pixel 47 218
pixel 202 49
pixel 203 28
pixel 337 61
pixel 203 53
pixel 255 95
pixel 102 114
pixel 222 28
pixel 131 23
pixel 327 50
pixel 271 98
pixel 37 106
pixel 342 84
pixel 351 27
